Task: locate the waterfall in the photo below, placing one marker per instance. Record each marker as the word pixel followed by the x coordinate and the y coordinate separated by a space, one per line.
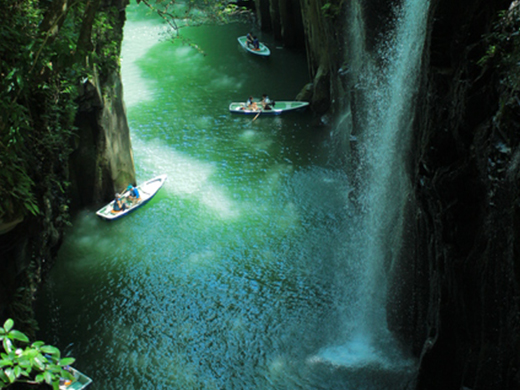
pixel 384 81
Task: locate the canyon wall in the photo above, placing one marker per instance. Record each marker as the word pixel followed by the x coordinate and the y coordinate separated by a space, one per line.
pixel 462 294
pixel 73 163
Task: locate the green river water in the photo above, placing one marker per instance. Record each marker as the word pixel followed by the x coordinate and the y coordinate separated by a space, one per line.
pixel 241 272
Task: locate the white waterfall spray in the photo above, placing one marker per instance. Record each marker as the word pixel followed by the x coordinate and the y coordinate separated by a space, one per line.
pixel 385 83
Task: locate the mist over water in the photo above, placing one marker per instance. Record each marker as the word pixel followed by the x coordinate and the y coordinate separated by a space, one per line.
pixel 254 267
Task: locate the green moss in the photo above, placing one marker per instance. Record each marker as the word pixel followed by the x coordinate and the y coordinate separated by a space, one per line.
pixel 502 55
pixel 332 9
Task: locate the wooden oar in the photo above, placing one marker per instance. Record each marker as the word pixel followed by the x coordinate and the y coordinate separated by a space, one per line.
pixel 256 116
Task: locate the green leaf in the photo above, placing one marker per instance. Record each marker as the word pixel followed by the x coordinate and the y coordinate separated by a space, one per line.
pixel 30 353
pixel 37 344
pixel 48 377
pixel 8 325
pixel 25 373
pixel 6 362
pixel 39 378
pixel 17 371
pixel 10 375
pixel 33 208
pixel 10 75
pixel 67 375
pixel 50 350
pixel 24 362
pixel 67 361
pixel 54 369
pixel 17 335
pixel 8 345
pixel 38 362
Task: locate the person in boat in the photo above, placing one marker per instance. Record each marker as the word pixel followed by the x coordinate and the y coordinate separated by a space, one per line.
pixel 256 43
pixel 119 205
pixel 249 39
pixel 251 104
pixel 133 193
pixel 267 104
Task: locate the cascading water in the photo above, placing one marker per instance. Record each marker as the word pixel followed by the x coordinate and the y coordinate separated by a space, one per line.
pixel 385 81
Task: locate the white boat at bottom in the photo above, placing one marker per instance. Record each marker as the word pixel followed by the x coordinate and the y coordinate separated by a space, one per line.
pixel 277 109
pixel 147 191
pixel 80 381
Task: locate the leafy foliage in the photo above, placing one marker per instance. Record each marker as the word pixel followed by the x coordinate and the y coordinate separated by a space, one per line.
pixel 502 58
pixel 503 47
pixel 36 363
pixel 332 9
pixel 47 51
pixel 194 12
pixel 197 12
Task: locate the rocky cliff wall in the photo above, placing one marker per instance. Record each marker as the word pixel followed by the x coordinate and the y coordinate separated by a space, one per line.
pixel 96 163
pixel 282 18
pixel 454 295
pixel 458 284
pixel 101 163
pixel 303 24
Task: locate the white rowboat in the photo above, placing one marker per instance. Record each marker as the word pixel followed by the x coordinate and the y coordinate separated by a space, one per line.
pixel 263 50
pixel 279 108
pixel 147 190
pixel 80 381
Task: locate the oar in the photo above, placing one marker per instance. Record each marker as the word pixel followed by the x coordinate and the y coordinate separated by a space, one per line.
pixel 256 116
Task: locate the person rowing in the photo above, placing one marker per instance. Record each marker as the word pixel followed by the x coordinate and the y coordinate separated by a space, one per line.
pixel 249 39
pixel 250 105
pixel 267 104
pixel 133 193
pixel 256 43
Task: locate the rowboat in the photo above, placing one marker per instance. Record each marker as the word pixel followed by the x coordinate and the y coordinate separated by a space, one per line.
pixel 146 190
pixel 279 108
pixel 263 50
pixel 80 381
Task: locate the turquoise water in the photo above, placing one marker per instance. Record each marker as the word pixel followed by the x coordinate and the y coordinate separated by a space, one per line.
pixel 242 273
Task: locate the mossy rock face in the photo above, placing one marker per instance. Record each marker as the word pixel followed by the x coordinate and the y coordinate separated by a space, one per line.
pixel 77 149
pixel 460 303
pixel 7 226
pixel 305 94
pixel 102 162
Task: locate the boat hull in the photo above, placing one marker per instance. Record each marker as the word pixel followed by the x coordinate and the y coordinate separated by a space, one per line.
pixel 262 51
pixel 80 382
pixel 279 108
pixel 146 190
